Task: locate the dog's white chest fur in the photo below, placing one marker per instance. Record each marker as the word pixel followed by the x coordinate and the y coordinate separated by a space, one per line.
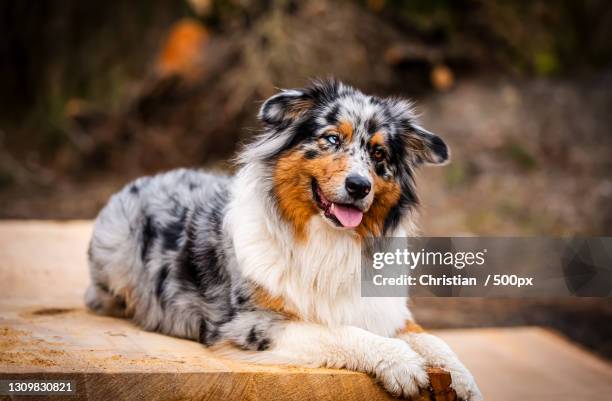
pixel 319 277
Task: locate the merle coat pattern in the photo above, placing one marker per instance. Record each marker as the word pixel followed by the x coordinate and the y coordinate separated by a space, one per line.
pixel 264 265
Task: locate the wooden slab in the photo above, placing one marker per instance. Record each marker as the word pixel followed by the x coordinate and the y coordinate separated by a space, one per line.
pixel 44 330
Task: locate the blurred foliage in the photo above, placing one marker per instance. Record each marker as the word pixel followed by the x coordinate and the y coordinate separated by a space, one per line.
pixel 55 50
pixel 519 155
pixel 532 37
pixel 124 88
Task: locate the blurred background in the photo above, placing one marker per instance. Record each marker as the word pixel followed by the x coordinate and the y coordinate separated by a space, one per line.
pixel 94 94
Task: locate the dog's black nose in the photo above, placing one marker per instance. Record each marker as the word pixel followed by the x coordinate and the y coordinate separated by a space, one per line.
pixel 357 186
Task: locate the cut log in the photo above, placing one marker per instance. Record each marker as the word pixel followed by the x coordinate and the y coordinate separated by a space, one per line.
pixel 45 332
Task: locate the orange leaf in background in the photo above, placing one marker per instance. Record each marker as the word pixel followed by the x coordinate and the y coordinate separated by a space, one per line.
pixel 183 51
pixel 442 77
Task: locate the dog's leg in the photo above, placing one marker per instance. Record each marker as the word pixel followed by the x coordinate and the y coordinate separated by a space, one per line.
pixel 400 369
pixel 438 354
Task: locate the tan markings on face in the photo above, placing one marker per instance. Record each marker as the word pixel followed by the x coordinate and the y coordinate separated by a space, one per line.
pixel 262 298
pixel 410 327
pixel 386 195
pixel 377 146
pixel 377 139
pixel 292 179
pixel 346 130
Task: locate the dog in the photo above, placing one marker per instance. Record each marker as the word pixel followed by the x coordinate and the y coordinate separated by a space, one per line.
pixel 265 264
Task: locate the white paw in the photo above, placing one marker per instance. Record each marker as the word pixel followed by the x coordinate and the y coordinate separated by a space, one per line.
pixel 401 370
pixel 464 384
pixel 438 354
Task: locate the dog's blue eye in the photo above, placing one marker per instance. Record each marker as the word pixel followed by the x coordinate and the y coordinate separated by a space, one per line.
pixel 333 139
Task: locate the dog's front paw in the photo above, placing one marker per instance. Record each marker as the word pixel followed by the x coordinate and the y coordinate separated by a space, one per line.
pixel 438 354
pixel 401 370
pixel 464 384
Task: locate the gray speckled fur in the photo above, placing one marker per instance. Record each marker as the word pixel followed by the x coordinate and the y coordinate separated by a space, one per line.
pixel 159 254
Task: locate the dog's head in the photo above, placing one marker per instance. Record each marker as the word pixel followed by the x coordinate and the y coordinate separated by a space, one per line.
pixel 334 152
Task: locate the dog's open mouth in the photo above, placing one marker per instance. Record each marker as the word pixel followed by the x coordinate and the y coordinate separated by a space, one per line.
pixel 343 215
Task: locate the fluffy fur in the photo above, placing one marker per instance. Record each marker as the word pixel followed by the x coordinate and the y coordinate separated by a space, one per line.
pixel 268 261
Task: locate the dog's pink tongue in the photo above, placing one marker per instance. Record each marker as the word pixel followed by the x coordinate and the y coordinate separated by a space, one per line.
pixel 349 216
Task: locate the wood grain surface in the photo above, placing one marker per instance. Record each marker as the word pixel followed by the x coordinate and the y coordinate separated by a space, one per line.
pixel 45 332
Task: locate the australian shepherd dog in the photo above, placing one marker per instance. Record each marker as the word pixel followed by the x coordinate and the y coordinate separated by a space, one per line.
pixel 267 262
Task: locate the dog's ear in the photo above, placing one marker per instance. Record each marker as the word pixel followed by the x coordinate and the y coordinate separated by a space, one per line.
pixel 285 107
pixel 426 146
pixel 276 114
pixel 423 146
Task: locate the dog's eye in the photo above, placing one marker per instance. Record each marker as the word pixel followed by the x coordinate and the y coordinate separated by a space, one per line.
pixel 333 139
pixel 378 154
